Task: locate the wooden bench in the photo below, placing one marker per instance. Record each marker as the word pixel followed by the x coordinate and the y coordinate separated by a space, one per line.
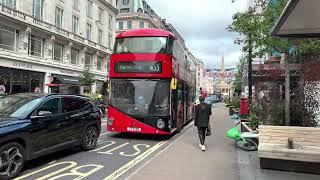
pixel 289 148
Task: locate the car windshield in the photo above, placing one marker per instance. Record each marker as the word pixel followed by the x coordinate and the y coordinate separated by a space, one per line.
pixel 141 45
pixel 140 97
pixel 17 106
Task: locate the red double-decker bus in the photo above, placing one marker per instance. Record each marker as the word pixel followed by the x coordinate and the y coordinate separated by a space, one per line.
pixel 151 90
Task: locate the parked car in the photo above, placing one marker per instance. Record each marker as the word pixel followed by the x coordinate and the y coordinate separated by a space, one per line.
pixel 33 125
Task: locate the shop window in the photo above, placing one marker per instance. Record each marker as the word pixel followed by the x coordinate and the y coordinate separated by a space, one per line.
pixel 7 38
pixel 58 51
pixel 35 46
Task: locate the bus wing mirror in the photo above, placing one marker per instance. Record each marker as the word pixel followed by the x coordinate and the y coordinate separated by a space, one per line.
pixel 173 84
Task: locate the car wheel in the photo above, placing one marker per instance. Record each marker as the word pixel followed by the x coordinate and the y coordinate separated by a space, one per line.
pixel 12 156
pixel 90 138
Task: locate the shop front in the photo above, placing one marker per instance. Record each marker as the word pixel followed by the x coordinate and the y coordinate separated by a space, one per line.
pixel 64 84
pixel 20 81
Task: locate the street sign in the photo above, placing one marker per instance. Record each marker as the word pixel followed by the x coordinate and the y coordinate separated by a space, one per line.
pixel 2 89
pixel 37 90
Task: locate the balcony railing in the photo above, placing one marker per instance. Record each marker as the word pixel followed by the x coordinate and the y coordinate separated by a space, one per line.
pixel 18 15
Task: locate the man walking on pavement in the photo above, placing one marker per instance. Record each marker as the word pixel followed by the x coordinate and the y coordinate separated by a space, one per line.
pixel 203 112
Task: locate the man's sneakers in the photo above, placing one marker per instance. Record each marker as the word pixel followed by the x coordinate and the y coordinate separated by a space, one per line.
pixel 202 147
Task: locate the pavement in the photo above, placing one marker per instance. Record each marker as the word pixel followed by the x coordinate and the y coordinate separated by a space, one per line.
pixel 222 160
pixel 184 160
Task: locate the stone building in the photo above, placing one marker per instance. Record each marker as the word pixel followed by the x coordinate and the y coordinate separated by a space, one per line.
pixel 45 45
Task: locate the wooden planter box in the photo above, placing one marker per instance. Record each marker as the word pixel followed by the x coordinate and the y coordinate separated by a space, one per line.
pixel 231 110
pixel 290 148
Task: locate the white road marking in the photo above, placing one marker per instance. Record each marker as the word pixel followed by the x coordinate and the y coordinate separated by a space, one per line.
pixel 160 152
pixel 133 162
pixel 103 134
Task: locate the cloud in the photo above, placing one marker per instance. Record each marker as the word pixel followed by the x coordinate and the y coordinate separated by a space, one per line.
pixel 203 25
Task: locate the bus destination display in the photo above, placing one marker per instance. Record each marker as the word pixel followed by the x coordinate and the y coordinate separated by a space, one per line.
pixel 138 67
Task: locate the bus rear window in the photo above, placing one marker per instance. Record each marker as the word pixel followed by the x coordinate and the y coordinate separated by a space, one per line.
pixel 141 45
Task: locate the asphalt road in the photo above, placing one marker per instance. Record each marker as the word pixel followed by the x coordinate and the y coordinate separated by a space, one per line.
pixel 116 156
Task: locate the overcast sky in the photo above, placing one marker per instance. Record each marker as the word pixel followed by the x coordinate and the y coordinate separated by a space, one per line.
pixel 202 23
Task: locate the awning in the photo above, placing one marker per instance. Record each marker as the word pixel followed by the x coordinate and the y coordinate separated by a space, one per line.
pixel 65 80
pixel 300 18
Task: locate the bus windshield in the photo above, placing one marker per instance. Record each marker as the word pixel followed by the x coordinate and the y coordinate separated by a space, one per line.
pixel 141 45
pixel 140 97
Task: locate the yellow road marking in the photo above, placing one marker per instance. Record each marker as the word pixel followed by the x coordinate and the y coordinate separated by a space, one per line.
pixel 133 162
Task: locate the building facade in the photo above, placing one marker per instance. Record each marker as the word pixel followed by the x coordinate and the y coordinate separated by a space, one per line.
pixel 46 45
pixel 135 14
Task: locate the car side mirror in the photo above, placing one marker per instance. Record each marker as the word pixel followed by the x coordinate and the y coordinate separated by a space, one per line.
pixel 44 113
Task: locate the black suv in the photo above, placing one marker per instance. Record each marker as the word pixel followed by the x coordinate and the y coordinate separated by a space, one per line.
pixel 33 125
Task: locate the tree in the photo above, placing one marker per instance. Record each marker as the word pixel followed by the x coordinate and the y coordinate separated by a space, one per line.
pixel 86 78
pixel 237 84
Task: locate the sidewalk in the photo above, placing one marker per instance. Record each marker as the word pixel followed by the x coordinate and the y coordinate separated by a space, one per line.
pixel 184 160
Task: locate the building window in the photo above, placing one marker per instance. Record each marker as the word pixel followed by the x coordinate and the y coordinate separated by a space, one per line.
pixel 76 4
pixel 125 2
pixel 87 60
pixel 124 10
pixel 110 21
pixel 99 63
pixel 109 41
pixel 141 24
pixel 7 38
pixel 89 31
pixel 9 3
pixel 100 18
pixel 129 24
pixel 89 8
pixel 140 10
pixel 59 17
pixel 75 24
pixel 35 45
pixel 108 62
pixel 74 56
pixel 100 36
pixel 38 9
pixel 58 51
pixel 120 25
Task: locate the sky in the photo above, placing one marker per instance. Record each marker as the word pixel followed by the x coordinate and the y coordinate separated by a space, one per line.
pixel 202 24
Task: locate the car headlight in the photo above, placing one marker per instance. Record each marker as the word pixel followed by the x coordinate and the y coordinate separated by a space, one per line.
pixel 161 124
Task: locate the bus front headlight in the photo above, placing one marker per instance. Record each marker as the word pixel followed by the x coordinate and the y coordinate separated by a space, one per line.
pixel 161 124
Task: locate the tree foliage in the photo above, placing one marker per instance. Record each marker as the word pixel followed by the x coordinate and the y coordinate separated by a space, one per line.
pixel 86 78
pixel 255 25
pixel 237 84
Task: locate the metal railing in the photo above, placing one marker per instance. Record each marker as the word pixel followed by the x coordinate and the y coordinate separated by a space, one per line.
pixel 18 15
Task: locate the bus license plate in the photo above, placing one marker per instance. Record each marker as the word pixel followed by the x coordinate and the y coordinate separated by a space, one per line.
pixel 134 129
